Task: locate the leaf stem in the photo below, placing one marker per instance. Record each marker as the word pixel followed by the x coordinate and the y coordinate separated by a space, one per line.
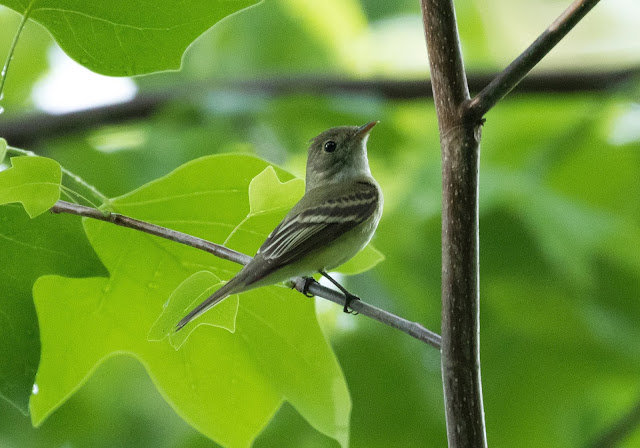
pixel 12 48
pixel 413 329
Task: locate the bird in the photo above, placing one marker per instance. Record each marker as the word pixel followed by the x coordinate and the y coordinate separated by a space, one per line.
pixel 333 221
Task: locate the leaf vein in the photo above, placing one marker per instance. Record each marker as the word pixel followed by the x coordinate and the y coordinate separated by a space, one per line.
pixel 34 247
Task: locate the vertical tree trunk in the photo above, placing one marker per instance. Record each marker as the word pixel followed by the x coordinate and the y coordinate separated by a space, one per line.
pixel 460 297
pixel 459 141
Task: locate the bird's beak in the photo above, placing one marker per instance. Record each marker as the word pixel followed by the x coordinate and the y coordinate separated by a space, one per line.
pixel 365 128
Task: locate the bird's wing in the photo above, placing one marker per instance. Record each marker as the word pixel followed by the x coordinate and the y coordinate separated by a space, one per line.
pixel 309 227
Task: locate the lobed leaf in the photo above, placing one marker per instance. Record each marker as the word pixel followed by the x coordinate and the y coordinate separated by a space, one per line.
pixel 47 244
pixel 124 37
pixel 32 181
pixel 227 385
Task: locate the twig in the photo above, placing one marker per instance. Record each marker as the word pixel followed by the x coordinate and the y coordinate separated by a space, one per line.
pixel 411 328
pixel 26 130
pixel 518 69
pixel 152 229
pixel 460 147
pixel 620 430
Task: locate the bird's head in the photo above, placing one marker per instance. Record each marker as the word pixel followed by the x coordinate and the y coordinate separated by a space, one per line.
pixel 338 154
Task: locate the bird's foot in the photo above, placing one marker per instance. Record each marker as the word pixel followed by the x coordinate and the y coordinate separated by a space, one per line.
pixel 348 299
pixel 308 281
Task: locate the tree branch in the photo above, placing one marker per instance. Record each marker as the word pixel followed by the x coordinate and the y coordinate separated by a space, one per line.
pixel 26 130
pixel 459 141
pixel 413 329
pixel 519 68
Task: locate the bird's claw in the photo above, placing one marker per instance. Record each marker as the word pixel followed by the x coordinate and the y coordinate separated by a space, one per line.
pixel 348 299
pixel 308 281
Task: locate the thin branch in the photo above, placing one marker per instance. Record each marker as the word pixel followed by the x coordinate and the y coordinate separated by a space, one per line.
pixel 460 147
pixel 152 229
pixel 620 430
pixel 26 130
pixel 413 329
pixel 519 68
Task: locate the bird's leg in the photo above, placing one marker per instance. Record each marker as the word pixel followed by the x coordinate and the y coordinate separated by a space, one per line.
pixel 308 281
pixel 348 296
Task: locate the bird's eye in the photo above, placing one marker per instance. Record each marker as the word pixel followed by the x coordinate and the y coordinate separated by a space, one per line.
pixel 330 146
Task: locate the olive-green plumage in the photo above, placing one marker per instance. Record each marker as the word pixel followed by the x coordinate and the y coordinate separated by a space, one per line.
pixel 334 220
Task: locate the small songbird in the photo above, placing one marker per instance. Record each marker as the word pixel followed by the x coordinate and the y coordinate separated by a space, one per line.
pixel 334 220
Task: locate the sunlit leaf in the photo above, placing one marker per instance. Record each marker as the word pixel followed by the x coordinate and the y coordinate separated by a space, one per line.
pixel 228 385
pixel 183 299
pixel 29 62
pixel 363 261
pixel 32 181
pixel 124 38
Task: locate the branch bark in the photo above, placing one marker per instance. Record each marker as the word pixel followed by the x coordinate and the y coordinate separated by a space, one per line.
pixel 522 65
pixel 413 329
pixel 460 120
pixel 459 141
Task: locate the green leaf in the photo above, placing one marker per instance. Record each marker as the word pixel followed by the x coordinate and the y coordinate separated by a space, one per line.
pixel 365 260
pixel 47 244
pixel 3 149
pixel 29 64
pixel 267 193
pixel 32 181
pixel 125 38
pixel 227 385
pixel 190 293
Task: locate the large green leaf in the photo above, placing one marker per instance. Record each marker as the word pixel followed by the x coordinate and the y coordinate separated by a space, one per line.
pixel 228 385
pixel 47 244
pixel 32 181
pixel 126 38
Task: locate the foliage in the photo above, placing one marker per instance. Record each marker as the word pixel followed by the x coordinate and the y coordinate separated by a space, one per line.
pixel 226 385
pixel 124 38
pixel 560 227
pixel 32 181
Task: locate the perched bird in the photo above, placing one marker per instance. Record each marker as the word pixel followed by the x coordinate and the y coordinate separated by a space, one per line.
pixel 333 221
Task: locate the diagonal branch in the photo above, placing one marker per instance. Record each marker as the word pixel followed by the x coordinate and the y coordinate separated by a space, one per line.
pixel 520 67
pixel 413 329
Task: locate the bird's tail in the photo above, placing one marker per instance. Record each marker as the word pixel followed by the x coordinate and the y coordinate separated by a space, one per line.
pixel 227 289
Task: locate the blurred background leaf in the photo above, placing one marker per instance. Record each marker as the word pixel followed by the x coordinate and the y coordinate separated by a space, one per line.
pixel 560 213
